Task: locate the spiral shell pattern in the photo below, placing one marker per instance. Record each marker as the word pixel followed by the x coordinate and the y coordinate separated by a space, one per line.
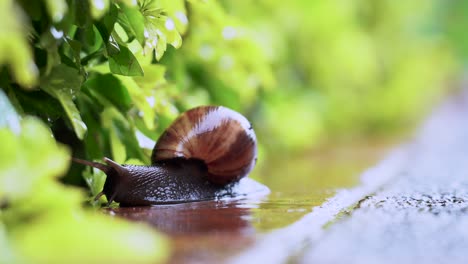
pixel 219 136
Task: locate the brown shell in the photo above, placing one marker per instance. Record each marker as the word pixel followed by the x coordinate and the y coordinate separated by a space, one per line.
pixel 219 136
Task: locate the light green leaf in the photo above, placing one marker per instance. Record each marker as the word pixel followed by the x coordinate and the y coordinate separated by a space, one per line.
pixel 56 9
pixel 175 10
pixel 119 153
pixel 14 47
pixel 125 63
pixel 133 22
pixel 64 235
pixel 174 38
pixel 95 180
pixel 154 77
pixel 128 2
pixel 62 83
pixel 98 8
pixel 140 100
pixel 161 46
pixel 29 159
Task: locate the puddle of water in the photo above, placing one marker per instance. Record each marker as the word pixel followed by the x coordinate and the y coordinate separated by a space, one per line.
pixel 303 182
pixel 211 231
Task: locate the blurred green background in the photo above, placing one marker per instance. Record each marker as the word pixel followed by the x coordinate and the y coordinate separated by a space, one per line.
pixel 103 78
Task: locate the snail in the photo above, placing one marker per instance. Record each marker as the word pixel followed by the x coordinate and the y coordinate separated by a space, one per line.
pixel 203 155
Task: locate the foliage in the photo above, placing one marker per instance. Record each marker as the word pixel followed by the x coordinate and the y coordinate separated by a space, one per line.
pixel 105 77
pixel 347 68
pixel 41 216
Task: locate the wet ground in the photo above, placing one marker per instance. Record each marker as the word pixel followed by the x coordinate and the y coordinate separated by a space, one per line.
pixel 411 206
pixel 218 231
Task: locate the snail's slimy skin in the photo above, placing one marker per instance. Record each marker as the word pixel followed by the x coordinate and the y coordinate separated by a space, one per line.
pixel 172 181
pixel 203 155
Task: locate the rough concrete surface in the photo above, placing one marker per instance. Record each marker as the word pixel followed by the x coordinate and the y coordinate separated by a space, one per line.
pixel 422 215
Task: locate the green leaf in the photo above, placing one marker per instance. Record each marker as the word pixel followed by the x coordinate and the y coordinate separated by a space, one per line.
pixel 106 26
pixel 39 103
pixel 82 17
pixel 107 87
pixel 49 43
pixel 154 76
pixel 133 22
pixel 128 2
pixel 95 180
pixel 75 47
pixel 109 116
pixel 28 159
pixel 35 227
pixel 98 8
pixel 139 98
pixel 125 63
pixel 83 237
pixel 14 47
pixel 56 9
pixel 62 83
pixel 112 47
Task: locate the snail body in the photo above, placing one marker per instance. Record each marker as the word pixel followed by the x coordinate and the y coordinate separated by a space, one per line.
pixel 201 156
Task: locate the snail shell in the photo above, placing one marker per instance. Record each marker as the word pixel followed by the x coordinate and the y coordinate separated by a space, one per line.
pixel 220 137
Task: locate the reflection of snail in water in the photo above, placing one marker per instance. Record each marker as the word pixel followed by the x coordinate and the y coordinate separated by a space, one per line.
pixel 201 156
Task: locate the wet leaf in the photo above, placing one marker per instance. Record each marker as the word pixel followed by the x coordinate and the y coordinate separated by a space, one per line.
pixel 76 50
pixel 62 83
pixel 133 22
pixel 105 27
pixel 125 63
